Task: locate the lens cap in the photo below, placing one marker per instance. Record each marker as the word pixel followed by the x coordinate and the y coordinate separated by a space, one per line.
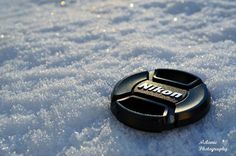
pixel 159 100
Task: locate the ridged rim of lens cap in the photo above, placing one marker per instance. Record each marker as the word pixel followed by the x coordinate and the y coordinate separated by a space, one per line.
pixel 160 99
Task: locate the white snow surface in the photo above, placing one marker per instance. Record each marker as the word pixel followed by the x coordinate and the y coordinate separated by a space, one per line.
pixel 59 61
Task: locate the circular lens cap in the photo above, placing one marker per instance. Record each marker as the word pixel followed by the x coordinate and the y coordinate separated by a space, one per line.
pixel 160 99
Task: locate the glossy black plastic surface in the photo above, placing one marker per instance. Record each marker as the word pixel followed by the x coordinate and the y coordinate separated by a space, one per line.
pixel 160 99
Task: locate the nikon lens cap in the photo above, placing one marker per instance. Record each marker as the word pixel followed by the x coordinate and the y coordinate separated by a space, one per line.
pixel 159 100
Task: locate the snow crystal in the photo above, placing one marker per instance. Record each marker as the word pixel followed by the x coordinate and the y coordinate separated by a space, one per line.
pixel 59 61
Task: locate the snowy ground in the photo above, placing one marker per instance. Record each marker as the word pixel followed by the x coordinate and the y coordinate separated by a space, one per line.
pixel 59 61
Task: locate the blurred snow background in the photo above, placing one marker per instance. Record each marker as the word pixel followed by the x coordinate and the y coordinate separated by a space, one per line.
pixel 59 61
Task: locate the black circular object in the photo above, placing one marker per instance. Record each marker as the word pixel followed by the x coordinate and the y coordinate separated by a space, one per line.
pixel 160 99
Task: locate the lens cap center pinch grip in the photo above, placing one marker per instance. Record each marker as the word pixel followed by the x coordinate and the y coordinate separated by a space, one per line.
pixel 159 100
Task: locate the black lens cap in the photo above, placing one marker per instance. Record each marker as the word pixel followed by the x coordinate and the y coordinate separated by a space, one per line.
pixel 159 100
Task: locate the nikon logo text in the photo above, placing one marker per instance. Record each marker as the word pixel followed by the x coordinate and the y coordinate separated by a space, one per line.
pixel 156 89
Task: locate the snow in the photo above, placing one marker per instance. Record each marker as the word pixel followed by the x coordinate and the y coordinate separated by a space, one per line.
pixel 59 61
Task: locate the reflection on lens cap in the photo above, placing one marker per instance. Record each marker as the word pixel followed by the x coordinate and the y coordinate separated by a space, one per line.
pixel 160 99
